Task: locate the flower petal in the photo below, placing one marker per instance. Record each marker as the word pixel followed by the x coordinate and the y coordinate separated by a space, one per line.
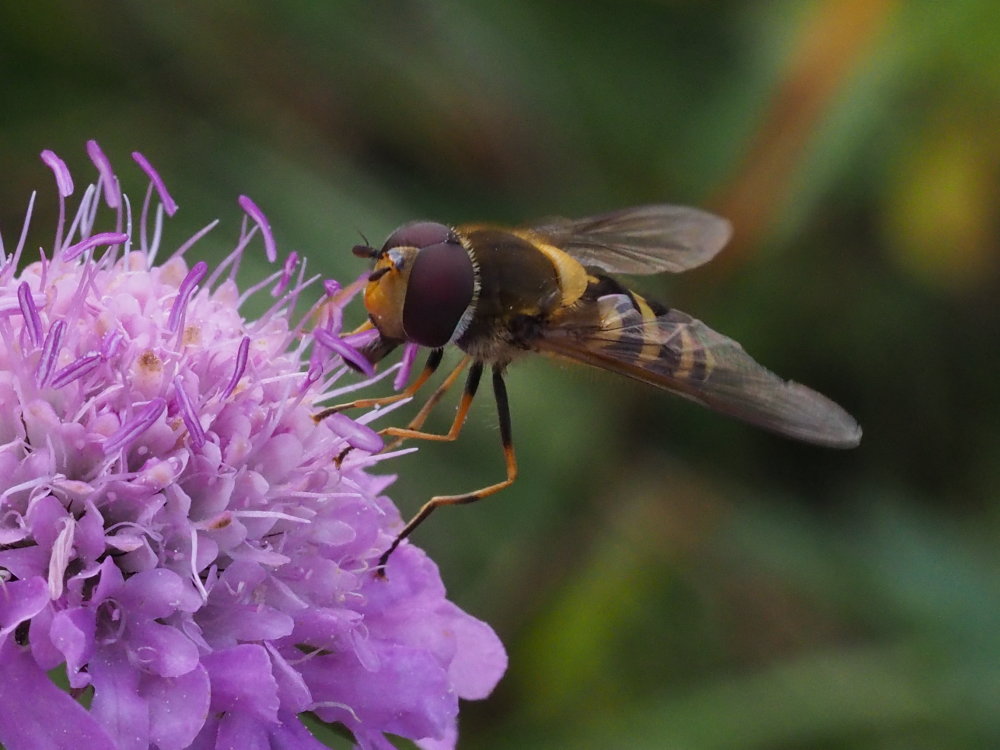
pixel 117 704
pixel 290 734
pixel 239 730
pixel 158 593
pixel 409 695
pixel 178 707
pixel 242 682
pixel 21 600
pixel 480 659
pixel 161 649
pixel 72 632
pixel 36 714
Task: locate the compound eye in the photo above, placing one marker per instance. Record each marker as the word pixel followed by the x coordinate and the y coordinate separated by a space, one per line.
pixel 438 293
pixel 419 234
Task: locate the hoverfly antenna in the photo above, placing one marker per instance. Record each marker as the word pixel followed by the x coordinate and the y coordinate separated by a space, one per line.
pixel 364 251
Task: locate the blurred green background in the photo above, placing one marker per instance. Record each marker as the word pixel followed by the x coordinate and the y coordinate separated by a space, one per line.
pixel 662 577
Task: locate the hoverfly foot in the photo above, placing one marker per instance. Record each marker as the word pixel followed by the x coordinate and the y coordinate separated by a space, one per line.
pixel 330 411
pixel 338 460
pixel 384 559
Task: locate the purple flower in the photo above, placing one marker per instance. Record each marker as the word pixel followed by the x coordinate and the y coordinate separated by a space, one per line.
pixel 175 534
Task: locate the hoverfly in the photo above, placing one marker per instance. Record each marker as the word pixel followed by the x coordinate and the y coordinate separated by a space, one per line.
pixel 497 292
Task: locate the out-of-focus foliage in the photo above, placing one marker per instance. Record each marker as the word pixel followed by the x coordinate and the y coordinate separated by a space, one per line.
pixel 663 577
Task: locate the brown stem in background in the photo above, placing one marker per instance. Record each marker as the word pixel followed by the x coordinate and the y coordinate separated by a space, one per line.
pixel 834 39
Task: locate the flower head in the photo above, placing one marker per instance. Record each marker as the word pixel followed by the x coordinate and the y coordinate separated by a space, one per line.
pixel 175 534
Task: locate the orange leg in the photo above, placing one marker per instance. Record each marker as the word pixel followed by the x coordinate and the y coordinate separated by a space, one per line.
pixel 412 430
pixel 433 361
pixel 506 439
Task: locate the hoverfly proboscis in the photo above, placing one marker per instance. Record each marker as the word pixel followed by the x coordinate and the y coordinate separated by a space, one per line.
pixel 497 292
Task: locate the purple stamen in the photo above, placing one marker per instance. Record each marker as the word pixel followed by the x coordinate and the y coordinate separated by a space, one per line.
pixel 112 191
pixel 32 322
pixel 50 351
pixel 63 179
pixel 16 259
pixel 76 369
pixel 187 288
pixel 189 415
pixel 254 212
pixel 347 352
pixel 131 430
pixel 361 338
pixel 357 435
pixel 405 367
pixel 168 203
pixel 95 240
pixel 241 366
pixel 286 273
pixel 111 343
pixel 331 287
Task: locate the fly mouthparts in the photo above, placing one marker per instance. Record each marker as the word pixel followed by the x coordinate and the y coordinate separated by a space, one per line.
pixel 375 351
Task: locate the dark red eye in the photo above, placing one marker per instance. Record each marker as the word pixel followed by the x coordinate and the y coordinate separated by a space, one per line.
pixel 438 292
pixel 418 234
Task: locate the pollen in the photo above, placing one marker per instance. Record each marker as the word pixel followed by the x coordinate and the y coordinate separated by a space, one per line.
pixel 150 362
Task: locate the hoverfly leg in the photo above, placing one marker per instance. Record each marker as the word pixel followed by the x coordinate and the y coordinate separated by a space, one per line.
pixel 510 460
pixel 413 428
pixel 433 361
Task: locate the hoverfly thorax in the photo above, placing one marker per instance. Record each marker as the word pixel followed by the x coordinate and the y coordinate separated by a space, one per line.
pixel 422 285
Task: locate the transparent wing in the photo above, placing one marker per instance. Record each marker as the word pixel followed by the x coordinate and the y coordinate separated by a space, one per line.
pixel 639 240
pixel 683 355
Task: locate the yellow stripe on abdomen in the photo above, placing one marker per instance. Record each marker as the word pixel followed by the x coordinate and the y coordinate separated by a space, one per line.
pixel 650 349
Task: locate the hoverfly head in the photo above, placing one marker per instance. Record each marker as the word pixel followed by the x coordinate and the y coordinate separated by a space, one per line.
pixel 422 284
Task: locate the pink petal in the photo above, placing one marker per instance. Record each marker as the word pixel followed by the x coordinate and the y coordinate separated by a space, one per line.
pixel 242 682
pixel 36 714
pixel 20 601
pixel 178 708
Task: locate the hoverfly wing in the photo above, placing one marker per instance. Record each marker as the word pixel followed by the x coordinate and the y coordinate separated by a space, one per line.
pixel 639 240
pixel 678 353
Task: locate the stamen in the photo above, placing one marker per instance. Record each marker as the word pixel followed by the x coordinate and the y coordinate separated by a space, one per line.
pixel 241 366
pixel 169 205
pixel 331 287
pixel 96 240
pixel 111 343
pixel 184 292
pixel 357 435
pixel 62 552
pixel 361 338
pixel 348 353
pixel 112 190
pixel 286 273
pixel 32 323
pixel 16 258
pixel 189 415
pixel 76 369
pixel 193 239
pixel 64 182
pixel 406 366
pixel 254 212
pixel 50 352
pixel 141 422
